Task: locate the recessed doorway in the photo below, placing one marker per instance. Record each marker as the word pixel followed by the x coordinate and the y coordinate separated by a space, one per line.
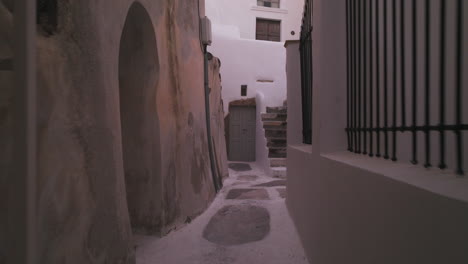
pixel 242 130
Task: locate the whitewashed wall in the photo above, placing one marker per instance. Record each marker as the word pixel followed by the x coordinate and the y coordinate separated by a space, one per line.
pixel 250 62
pixel 243 14
pixel 369 210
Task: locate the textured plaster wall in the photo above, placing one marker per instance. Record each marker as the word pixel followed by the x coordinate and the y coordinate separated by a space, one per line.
pixel 217 117
pixel 138 76
pixel 261 149
pixel 82 94
pixel 293 73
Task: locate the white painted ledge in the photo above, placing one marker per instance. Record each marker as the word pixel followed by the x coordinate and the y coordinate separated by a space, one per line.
pixel 306 148
pixel 269 9
pixel 442 182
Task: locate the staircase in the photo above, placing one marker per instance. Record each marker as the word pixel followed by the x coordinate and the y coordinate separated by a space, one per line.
pixel 275 125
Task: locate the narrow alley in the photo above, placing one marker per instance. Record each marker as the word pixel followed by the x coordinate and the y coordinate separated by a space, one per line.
pixel 233 132
pixel 248 222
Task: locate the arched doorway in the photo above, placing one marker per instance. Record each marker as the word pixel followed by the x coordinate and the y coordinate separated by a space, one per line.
pixel 138 79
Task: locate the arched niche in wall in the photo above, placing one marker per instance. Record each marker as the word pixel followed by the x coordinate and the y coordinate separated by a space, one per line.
pixel 138 79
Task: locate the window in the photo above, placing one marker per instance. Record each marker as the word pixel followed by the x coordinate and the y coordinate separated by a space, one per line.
pixel 47 15
pixel 244 90
pixel 269 3
pixel 268 30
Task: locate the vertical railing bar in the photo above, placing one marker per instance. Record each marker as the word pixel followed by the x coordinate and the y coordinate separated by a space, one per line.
pixel 371 87
pixel 415 84
pixel 351 69
pixel 347 77
pixel 427 163
pixel 365 77
pixel 458 87
pixel 301 51
pixel 359 76
pixel 442 164
pixel 385 79
pixel 403 68
pixel 394 59
pixel 377 68
pixel 310 98
pixel 355 67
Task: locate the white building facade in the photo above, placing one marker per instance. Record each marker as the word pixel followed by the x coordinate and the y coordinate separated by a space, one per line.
pixel 244 14
pixel 248 38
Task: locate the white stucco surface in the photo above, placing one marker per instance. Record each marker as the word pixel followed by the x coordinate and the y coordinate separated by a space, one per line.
pixel 261 149
pixel 369 210
pixel 243 14
pixel 258 64
pixel 293 72
pixel 188 246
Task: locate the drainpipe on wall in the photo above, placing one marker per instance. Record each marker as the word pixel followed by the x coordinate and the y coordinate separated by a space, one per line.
pixel 205 24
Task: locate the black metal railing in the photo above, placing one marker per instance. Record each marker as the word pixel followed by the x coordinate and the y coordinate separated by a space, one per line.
pixel 306 72
pixel 399 50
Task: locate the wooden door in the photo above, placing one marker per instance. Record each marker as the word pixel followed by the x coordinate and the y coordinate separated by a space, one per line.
pixel 242 128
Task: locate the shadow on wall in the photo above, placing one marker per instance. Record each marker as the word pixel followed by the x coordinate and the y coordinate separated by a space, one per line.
pixel 138 77
pixel 6 90
pixel 226 131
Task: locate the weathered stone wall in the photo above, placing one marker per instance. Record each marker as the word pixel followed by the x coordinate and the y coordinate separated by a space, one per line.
pixel 93 155
pixel 217 117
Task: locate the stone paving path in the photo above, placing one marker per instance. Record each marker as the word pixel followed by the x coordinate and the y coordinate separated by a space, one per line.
pixel 248 223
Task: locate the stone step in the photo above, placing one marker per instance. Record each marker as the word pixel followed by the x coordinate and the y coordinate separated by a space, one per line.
pixel 277 139
pixel 275 133
pixel 275 123
pixel 277 153
pixel 274 117
pixel 282 149
pixel 277 162
pixel 275 128
pixel 273 155
pixel 277 144
pixel 277 110
pixel 279 172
